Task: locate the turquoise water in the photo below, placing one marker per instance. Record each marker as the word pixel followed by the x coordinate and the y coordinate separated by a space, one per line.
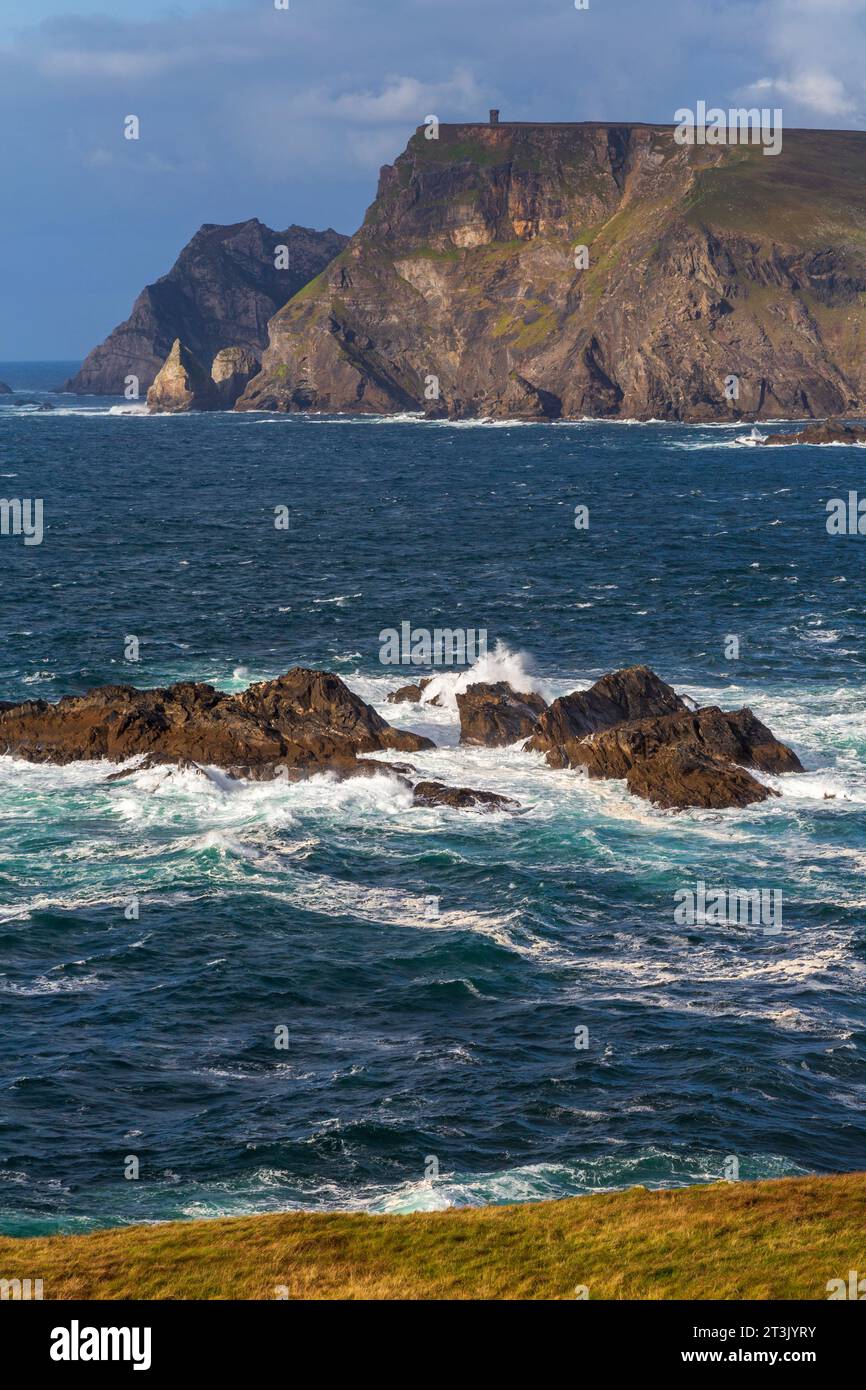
pixel 414 1037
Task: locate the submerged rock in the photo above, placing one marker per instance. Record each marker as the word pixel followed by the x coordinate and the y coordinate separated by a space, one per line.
pixel 5 390
pixel 828 432
pixel 496 715
pixel 182 384
pixel 413 694
pixel 462 798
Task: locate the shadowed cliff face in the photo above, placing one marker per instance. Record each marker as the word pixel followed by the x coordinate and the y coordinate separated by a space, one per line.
pixel 220 293
pixel 704 263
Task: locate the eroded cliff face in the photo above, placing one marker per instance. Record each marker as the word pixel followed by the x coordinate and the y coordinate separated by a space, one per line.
pixel 221 292
pixel 704 264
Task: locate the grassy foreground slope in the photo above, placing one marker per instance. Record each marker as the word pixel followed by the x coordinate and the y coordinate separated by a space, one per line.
pixel 740 1241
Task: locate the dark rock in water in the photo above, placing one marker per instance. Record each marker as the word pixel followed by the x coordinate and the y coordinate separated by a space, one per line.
pixel 182 384
pixel 223 289
pixel 233 368
pixel 755 745
pixel 679 775
pixel 738 738
pixel 154 761
pixel 45 405
pixel 461 798
pixel 633 693
pixel 340 767
pixel 412 694
pixel 496 715
pixel 5 390
pixel 272 772
pixel 305 721
pixel 632 725
pixel 830 432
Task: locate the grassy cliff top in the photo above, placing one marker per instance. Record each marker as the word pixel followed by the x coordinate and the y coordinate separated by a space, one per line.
pixel 814 190
pixel 763 1240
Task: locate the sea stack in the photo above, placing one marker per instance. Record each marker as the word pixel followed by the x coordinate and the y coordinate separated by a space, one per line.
pixel 182 384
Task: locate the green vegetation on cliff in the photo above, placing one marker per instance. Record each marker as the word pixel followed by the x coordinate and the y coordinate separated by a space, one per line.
pixel 768 1240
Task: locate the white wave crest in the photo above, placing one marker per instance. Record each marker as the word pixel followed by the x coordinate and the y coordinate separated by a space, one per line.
pixel 502 664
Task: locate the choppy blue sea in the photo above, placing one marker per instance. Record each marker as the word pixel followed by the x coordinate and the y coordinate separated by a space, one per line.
pixel 431 1058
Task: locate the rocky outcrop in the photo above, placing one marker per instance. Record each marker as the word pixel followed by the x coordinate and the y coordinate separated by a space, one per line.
pixel 304 723
pixel 677 777
pixel 305 720
pixel 632 725
pixel 543 271
pixel 182 384
pixel 222 290
pixel 232 371
pixel 738 737
pixel 496 715
pixel 830 432
pixel 309 722
pixel 412 694
pixel 6 390
pixel 633 693
pixel 461 798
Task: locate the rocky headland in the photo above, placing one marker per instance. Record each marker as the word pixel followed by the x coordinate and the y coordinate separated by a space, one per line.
pixel 562 271
pixel 220 293
pixel 539 272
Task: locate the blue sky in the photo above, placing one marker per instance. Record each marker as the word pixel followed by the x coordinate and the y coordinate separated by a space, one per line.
pixel 287 115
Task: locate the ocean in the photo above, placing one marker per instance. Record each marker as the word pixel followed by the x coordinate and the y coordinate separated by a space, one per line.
pixel 434 973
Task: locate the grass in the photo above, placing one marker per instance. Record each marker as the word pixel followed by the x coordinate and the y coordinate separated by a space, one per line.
pixel 812 192
pixel 765 1240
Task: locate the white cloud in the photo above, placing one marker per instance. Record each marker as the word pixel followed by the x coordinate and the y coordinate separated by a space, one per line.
pixel 815 90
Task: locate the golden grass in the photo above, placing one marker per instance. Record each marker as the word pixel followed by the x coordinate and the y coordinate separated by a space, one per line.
pixel 763 1240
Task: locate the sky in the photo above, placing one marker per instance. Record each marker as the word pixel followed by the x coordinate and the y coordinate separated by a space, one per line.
pixel 287 115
